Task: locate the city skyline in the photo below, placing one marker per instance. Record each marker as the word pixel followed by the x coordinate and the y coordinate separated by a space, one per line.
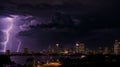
pixel 59 33
pixel 77 49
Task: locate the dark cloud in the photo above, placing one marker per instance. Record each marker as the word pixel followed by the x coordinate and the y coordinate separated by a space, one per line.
pixel 93 30
pixel 67 20
pixel 36 7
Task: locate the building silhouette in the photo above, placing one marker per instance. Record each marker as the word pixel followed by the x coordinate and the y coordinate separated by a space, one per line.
pixel 26 51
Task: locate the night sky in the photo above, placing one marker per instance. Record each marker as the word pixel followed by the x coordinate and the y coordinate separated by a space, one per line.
pixel 40 23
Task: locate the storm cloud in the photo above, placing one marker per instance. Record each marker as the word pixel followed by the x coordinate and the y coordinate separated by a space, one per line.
pixel 54 21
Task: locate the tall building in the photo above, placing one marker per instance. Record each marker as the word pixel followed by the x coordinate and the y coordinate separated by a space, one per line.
pixel 116 47
pixel 57 49
pixel 49 50
pixel 100 50
pixel 76 48
pixel 26 51
pixel 80 48
pixel 106 51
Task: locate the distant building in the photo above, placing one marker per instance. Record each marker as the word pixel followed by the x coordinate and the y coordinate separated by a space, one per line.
pixel 88 51
pixel 106 50
pixel 49 50
pixel 116 47
pixel 7 52
pixel 76 48
pixel 57 48
pixel 100 50
pixel 25 51
pixel 80 48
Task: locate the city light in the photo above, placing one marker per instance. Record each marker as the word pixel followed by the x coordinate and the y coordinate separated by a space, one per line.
pixel 57 45
pixel 77 44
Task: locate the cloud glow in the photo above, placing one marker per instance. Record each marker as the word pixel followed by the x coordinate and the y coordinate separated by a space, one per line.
pixel 7 31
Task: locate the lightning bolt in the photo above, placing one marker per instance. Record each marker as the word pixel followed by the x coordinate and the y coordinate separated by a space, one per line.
pixel 19 44
pixel 7 31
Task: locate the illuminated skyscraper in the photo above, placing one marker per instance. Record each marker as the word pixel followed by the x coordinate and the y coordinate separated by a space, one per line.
pixel 80 48
pixel 58 48
pixel 116 47
pixel 76 48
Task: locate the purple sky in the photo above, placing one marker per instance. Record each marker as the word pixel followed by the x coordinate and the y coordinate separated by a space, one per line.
pixel 39 23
